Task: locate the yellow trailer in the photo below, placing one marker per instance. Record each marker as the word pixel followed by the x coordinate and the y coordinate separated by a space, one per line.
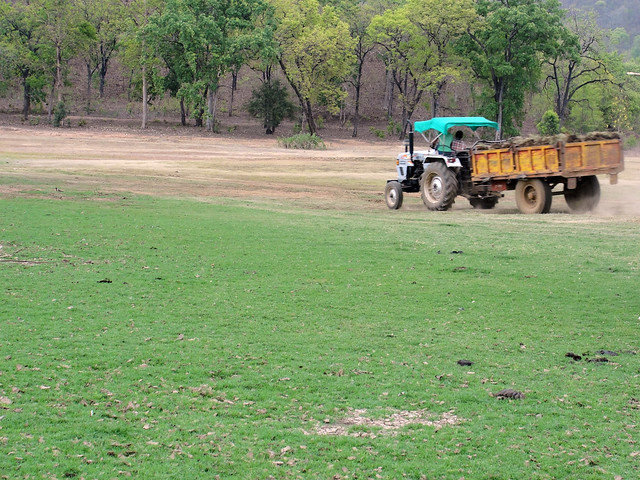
pixel 534 171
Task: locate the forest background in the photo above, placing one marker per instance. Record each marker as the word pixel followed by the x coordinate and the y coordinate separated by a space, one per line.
pixel 366 68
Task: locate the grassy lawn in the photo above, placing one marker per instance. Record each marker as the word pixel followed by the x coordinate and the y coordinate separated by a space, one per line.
pixel 174 338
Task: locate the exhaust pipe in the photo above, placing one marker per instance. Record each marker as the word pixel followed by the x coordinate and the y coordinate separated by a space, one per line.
pixel 411 143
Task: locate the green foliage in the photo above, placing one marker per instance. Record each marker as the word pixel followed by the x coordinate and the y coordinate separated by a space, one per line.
pixel 270 102
pixel 635 49
pixel 377 132
pixel 25 58
pixel 416 41
pixel 631 141
pixel 393 128
pixel 59 114
pixel 302 141
pixel 505 49
pixel 549 124
pixel 580 62
pixel 315 54
pixel 199 41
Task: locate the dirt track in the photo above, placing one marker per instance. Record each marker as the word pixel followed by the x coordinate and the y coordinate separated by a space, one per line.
pixel 349 174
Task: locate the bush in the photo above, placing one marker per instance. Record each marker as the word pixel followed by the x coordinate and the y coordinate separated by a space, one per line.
pixel 550 123
pixel 271 104
pixel 393 128
pixel 377 132
pixel 59 114
pixel 302 141
pixel 631 141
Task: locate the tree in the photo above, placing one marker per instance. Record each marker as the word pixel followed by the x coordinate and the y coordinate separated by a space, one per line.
pixel 201 40
pixel 65 33
pixel 315 54
pixel 580 61
pixel 506 50
pixel 106 18
pixel 22 54
pixel 417 40
pixel 136 52
pixel 359 16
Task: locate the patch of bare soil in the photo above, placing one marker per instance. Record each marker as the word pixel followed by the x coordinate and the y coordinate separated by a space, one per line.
pixel 107 159
pixel 388 425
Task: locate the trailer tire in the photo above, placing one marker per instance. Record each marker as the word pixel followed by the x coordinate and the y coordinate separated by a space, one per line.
pixel 533 196
pixel 483 203
pixel 393 195
pixel 585 197
pixel 438 187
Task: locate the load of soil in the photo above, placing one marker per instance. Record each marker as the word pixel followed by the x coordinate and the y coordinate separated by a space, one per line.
pixel 537 140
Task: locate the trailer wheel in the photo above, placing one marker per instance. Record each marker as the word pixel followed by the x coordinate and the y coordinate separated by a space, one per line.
pixel 483 203
pixel 585 197
pixel 438 187
pixel 393 195
pixel 533 196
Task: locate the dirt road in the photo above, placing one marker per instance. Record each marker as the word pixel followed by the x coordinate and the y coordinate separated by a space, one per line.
pixel 350 174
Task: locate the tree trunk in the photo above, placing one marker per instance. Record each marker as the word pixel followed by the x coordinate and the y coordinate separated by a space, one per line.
pixel 356 113
pixel 26 97
pixel 89 78
pixel 500 104
pixel 310 121
pixel 305 105
pixel 234 87
pixel 404 104
pixel 144 97
pixel 212 102
pixel 59 83
pixel 389 93
pixel 183 113
pixel 103 73
pixel 50 106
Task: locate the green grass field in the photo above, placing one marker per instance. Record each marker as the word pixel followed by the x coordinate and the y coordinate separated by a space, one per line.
pixel 175 338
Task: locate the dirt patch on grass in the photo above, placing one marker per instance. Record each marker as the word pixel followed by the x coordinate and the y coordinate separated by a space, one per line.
pixel 350 174
pixel 388 425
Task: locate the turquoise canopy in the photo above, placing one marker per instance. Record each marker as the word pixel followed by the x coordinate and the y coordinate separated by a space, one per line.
pixel 443 124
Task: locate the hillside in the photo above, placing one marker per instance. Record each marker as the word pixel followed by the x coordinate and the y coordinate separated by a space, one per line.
pixel 612 13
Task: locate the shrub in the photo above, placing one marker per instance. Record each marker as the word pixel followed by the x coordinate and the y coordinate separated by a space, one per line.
pixel 631 141
pixel 550 123
pixel 302 141
pixel 271 104
pixel 377 132
pixel 59 114
pixel 393 128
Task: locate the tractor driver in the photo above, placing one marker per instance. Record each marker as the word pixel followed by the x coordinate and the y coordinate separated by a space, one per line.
pixel 447 144
pixel 457 144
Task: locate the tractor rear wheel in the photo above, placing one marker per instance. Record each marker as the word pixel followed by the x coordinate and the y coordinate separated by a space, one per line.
pixel 393 195
pixel 438 187
pixel 585 197
pixel 533 196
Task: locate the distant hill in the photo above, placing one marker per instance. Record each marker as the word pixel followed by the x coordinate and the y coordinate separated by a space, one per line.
pixel 612 13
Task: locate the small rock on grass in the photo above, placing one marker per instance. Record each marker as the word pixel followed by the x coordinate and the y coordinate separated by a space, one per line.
pixel 598 360
pixel 607 353
pixel 508 393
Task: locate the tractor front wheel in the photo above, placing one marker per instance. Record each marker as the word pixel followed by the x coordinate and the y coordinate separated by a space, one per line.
pixel 533 196
pixel 438 187
pixel 393 195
